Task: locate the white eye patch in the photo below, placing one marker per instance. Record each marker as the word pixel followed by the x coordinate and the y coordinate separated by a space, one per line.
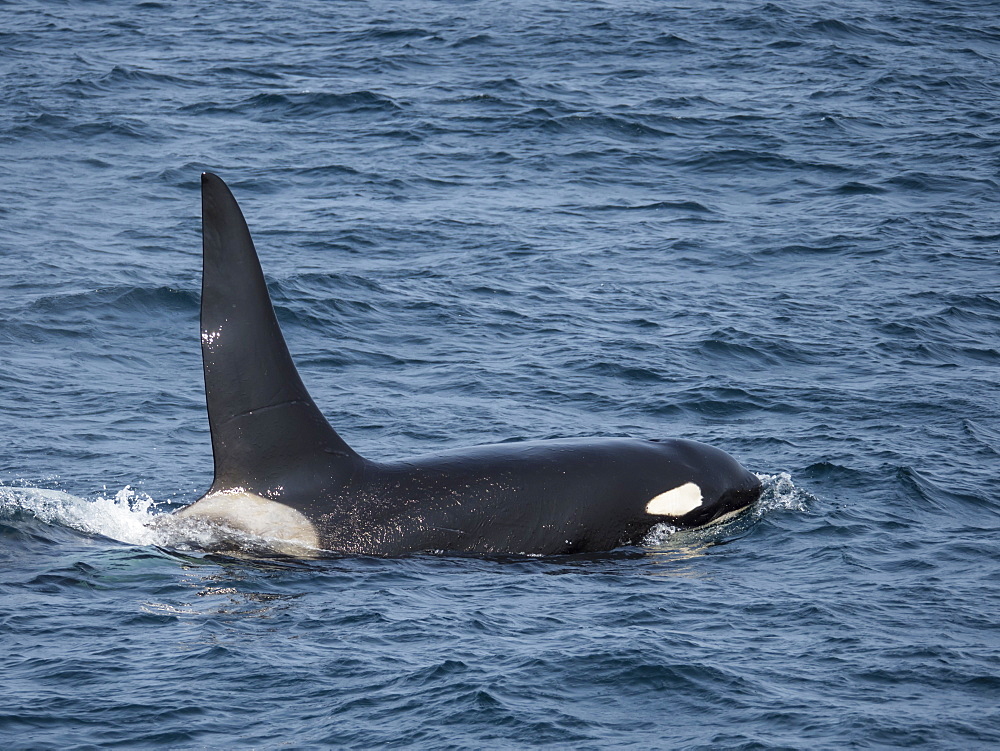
pixel 676 502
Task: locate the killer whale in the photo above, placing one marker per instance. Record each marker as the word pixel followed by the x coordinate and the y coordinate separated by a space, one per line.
pixel 284 475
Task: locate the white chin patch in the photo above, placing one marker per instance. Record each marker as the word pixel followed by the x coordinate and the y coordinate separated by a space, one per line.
pixel 676 502
pixel 281 527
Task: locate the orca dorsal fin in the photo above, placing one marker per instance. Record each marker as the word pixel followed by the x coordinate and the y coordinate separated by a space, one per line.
pixel 264 424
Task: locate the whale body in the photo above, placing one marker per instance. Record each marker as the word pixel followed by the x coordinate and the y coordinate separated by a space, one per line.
pixel 284 476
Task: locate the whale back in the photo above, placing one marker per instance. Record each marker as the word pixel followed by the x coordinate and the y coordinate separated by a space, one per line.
pixel 263 422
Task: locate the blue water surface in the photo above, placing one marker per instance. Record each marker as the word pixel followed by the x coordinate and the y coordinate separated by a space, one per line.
pixel 769 226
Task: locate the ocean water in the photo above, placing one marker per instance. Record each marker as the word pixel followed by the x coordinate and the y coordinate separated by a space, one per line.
pixel 769 226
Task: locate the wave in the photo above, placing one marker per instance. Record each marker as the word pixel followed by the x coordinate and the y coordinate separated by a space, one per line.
pixel 119 297
pixel 302 104
pixel 48 126
pixel 120 76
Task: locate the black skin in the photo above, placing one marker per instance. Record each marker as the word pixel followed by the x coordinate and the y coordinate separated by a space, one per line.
pixel 541 497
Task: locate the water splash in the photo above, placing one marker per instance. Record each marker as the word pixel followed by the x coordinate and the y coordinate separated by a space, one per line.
pixel 780 494
pixel 123 516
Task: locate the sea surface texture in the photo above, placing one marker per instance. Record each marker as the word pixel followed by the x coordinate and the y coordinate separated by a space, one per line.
pixel 769 226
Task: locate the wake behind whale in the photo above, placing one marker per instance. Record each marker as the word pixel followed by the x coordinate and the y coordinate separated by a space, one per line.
pixel 283 474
